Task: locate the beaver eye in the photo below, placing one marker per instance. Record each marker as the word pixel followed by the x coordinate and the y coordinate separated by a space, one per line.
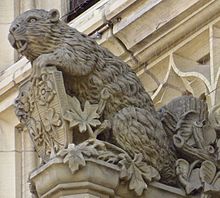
pixel 32 20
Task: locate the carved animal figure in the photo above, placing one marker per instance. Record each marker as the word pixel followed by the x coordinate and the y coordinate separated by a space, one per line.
pixel 90 70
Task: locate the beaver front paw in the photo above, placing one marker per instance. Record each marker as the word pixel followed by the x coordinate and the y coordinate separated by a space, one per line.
pixel 42 61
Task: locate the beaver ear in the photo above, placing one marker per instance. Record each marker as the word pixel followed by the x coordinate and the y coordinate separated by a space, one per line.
pixel 54 15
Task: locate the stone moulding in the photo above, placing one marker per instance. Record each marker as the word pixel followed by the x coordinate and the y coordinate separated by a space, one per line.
pixel 53 176
pixel 97 178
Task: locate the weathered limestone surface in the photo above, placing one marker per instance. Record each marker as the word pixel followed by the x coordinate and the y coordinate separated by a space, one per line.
pixel 83 106
pixel 172 49
pixel 7 14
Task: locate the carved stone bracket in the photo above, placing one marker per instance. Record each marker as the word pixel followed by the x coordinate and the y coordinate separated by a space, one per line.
pixel 134 171
pixel 60 126
pixel 99 169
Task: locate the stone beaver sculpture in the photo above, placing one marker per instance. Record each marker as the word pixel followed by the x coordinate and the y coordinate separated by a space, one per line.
pixel 89 70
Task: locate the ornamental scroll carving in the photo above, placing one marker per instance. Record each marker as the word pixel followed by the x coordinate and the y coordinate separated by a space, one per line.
pixel 82 103
pixel 195 135
pixel 40 107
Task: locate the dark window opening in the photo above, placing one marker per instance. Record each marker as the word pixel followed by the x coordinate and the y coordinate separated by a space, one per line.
pixel 204 60
pixel 77 7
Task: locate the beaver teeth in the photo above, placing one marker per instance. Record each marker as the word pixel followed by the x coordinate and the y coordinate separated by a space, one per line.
pixel 18 45
pixel 21 45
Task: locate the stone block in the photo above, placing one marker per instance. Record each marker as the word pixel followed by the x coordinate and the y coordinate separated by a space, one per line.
pixel 6 52
pixel 6 11
pixel 7 172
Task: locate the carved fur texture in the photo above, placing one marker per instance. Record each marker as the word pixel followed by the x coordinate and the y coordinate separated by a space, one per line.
pixel 90 71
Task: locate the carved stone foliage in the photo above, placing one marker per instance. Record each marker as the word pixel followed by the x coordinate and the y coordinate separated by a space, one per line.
pixel 62 126
pixel 133 170
pixel 84 119
pixel 196 138
pixel 199 177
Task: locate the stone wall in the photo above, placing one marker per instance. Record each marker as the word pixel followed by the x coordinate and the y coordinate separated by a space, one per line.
pixel 172 45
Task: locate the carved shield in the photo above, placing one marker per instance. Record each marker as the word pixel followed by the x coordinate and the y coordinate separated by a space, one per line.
pixel 40 106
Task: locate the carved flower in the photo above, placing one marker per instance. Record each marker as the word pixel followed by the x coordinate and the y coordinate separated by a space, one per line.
pixel 137 172
pixel 83 118
pixel 51 119
pixel 45 91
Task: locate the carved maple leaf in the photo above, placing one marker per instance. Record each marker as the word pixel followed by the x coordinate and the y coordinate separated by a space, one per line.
pixel 83 118
pixel 137 172
pixel 74 155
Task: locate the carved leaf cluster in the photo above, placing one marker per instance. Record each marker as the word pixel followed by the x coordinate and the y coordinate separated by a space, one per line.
pixel 188 175
pixel 199 139
pixel 135 171
pixel 198 175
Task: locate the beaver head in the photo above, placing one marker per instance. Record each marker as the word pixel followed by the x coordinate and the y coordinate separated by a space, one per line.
pixel 30 33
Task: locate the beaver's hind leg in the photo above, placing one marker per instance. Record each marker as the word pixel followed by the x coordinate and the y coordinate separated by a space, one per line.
pixel 137 131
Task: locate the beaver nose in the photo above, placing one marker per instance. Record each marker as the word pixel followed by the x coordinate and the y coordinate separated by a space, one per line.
pixel 13 27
